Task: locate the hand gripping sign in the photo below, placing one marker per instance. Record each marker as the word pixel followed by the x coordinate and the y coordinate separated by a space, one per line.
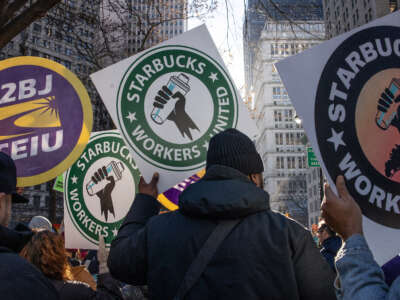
pixel 99 189
pixel 349 102
pixel 45 117
pixel 168 101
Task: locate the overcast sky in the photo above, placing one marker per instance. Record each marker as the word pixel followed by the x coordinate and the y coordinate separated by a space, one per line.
pixel 231 46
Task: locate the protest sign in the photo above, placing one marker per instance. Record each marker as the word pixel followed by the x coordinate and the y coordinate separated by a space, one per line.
pixel 59 184
pixel 169 100
pixel 347 90
pixel 45 117
pixel 99 189
pixel 170 198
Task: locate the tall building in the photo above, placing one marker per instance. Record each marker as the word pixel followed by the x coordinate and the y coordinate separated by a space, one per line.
pixel 314 195
pixel 174 12
pixel 256 14
pixel 344 15
pixel 281 142
pixel 68 35
pixel 52 37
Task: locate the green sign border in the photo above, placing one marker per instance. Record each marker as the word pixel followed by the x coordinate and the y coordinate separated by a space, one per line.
pixel 206 136
pixel 115 225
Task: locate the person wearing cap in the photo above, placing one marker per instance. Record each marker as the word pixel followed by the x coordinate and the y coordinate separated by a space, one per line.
pixel 264 256
pixel 40 223
pixel 18 278
pixel 14 240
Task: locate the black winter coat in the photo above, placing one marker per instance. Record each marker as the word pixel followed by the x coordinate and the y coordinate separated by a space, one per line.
pixel 107 288
pixel 20 280
pixel 266 256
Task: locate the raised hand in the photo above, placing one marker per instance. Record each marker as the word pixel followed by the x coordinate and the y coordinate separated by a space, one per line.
pixel 341 212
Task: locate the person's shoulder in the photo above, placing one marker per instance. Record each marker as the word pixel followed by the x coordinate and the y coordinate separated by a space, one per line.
pixel 279 218
pixel 73 289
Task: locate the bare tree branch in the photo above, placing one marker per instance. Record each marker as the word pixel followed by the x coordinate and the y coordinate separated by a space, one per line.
pixel 19 22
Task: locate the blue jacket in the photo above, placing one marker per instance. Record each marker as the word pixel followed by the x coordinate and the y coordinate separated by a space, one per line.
pixel 329 249
pixel 360 277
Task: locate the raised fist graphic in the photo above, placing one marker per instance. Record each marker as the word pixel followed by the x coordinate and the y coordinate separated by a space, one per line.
pixel 169 104
pixel 106 203
pixel 385 119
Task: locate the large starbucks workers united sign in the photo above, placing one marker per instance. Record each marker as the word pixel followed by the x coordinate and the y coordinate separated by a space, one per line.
pixel 180 91
pixel 45 117
pixel 350 105
pixel 99 189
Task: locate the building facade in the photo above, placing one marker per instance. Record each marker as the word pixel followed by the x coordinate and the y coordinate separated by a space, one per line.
pixel 69 34
pixel 257 12
pixel 173 12
pixel 313 195
pixel 281 142
pixel 344 15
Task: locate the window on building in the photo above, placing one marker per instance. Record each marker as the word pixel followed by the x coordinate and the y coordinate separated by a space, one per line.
pixel 291 162
pixel 280 162
pixel 278 116
pixel 36 201
pixel 279 138
pixel 37 28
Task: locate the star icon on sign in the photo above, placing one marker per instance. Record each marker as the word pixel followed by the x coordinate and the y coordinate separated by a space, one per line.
pixel 74 179
pixel 213 76
pixel 205 145
pixel 336 139
pixel 131 117
pixel 115 231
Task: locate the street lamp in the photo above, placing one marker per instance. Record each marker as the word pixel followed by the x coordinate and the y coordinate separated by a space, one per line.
pixel 297 119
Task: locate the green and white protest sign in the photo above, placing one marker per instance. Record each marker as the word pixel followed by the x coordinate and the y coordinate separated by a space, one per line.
pixel 347 92
pixel 59 184
pixel 99 189
pixel 168 101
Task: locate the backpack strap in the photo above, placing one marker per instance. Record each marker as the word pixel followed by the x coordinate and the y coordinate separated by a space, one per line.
pixel 204 256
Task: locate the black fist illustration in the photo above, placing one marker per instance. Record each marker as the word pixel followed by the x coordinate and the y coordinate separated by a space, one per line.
pixel 106 203
pixel 178 115
pixel 386 101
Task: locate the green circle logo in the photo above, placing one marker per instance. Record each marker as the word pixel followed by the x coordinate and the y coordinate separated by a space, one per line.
pixel 100 187
pixel 171 101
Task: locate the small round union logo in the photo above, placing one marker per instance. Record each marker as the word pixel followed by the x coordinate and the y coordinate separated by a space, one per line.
pixel 45 117
pixel 100 187
pixel 357 117
pixel 171 101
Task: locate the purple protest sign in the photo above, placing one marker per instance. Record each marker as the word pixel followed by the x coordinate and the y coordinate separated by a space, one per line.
pixel 45 117
pixel 170 198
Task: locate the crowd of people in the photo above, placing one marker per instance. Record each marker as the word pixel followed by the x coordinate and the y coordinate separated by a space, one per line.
pixel 224 242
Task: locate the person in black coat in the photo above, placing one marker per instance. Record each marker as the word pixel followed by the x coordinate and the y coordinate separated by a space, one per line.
pixel 266 256
pixel 330 243
pixel 46 251
pixel 18 279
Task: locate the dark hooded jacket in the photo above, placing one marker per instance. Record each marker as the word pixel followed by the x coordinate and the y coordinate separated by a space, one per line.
pixel 21 280
pixel 107 289
pixel 266 256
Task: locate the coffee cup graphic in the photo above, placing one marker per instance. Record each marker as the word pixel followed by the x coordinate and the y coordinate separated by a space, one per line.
pixel 175 84
pixel 114 169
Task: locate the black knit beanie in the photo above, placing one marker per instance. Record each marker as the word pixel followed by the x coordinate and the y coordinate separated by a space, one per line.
pixel 234 149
